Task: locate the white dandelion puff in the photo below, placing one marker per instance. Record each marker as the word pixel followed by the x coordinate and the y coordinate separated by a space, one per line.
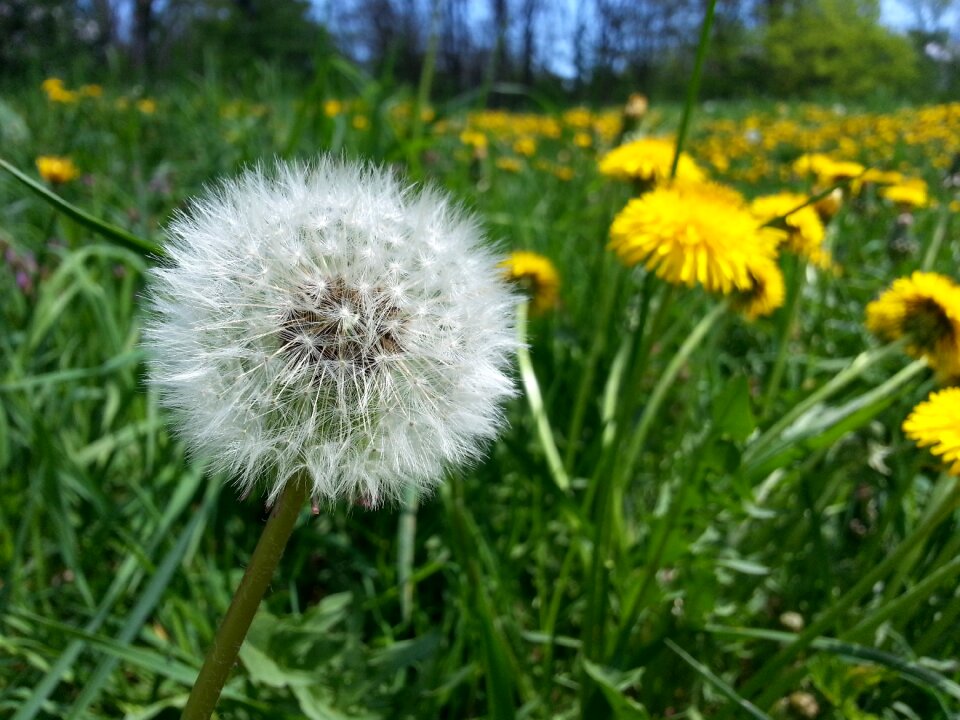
pixel 328 320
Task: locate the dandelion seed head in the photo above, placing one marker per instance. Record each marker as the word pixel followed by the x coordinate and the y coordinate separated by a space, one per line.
pixel 331 321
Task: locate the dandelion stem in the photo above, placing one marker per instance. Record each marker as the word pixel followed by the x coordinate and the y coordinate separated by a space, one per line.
pixel 535 400
pixel 930 257
pixel 855 369
pixel 693 87
pixel 788 321
pixel 635 447
pixel 233 629
pixel 609 286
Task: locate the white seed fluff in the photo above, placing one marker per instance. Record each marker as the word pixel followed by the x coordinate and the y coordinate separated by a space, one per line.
pixel 331 321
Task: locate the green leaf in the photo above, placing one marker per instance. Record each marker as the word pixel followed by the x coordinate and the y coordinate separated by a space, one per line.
pixel 718 682
pixel 613 684
pixel 732 414
pixel 100 227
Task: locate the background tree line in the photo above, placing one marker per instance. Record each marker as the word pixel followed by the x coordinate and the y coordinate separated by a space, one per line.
pixel 583 50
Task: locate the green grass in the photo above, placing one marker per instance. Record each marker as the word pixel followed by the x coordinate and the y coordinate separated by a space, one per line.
pixel 652 587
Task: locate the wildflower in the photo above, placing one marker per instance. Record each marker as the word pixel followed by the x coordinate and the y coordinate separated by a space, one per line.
pixel 829 205
pixel 636 106
pixel 332 107
pixel 583 139
pixel 147 106
pixel 935 423
pixel 648 160
pixel 525 146
pixel 827 170
pixel 91 91
pixel 925 309
pixel 57 92
pixel 766 291
pixel 360 122
pixel 805 233
pixel 329 322
pixel 907 195
pixel 691 233
pixel 509 164
pixel 57 170
pixel 536 275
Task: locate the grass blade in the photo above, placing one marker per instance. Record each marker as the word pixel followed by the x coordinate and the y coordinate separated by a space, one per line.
pixel 100 227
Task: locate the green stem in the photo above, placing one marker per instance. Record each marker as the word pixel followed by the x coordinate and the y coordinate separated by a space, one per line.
pixel 855 369
pixel 671 517
pixel 635 447
pixel 788 321
pixel 584 391
pixel 233 629
pixel 423 89
pixel 406 534
pixel 535 400
pixel 769 678
pixel 939 233
pixel 693 87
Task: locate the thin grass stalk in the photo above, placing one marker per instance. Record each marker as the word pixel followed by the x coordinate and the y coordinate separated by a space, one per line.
pixel 788 321
pixel 609 286
pixel 423 89
pixel 235 624
pixel 693 87
pixel 659 393
pixel 634 603
pixel 860 364
pixel 769 678
pixel 535 399
pixel 939 233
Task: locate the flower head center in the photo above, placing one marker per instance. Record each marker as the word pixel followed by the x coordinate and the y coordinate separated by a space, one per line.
pixel 928 324
pixel 333 322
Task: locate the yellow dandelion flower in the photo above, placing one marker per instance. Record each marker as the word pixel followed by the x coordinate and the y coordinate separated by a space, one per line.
pixel 147 106
pixel 689 233
pixel 525 146
pixel 909 194
pixel 648 160
pixel 57 170
pixel 332 107
pixel 563 172
pixel 827 170
pixel 536 275
pixel 925 309
pixel 509 164
pixel 91 91
pixel 935 423
pixel 766 293
pixel 805 233
pixel 57 92
pixel 583 139
pixel 829 205
pixel 476 140
pixel 360 122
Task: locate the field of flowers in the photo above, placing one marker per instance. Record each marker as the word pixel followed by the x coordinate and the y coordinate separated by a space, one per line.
pixel 726 486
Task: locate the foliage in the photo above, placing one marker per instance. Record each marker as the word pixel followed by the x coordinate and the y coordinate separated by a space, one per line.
pixel 833 46
pixel 773 525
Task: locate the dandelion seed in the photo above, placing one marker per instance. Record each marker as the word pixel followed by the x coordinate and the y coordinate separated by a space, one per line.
pixel 329 321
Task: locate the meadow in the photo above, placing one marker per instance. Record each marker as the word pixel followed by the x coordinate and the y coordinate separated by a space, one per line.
pixel 704 503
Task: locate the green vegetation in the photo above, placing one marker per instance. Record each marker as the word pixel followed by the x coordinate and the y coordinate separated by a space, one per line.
pixel 752 537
